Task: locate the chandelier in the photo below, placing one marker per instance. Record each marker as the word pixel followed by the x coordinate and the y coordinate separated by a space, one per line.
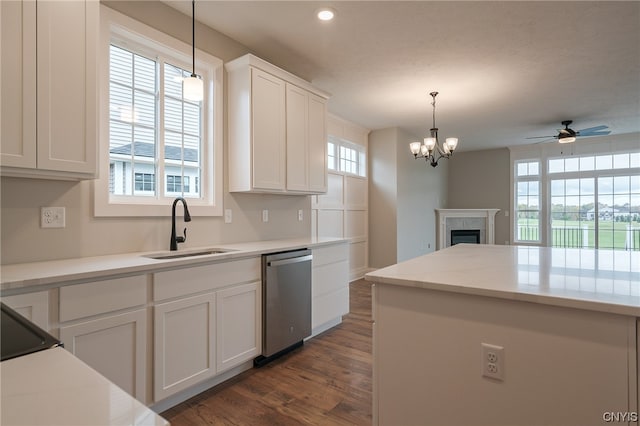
pixel 431 146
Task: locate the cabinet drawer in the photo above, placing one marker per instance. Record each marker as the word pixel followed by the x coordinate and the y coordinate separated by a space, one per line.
pixel 83 300
pixel 182 282
pixel 329 278
pixel 331 254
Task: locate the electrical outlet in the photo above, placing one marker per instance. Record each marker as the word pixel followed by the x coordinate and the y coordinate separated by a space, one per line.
pixel 52 217
pixel 228 216
pixel 265 215
pixel 300 215
pixel 492 361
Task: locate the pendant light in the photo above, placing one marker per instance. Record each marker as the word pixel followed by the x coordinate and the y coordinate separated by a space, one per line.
pixel 193 87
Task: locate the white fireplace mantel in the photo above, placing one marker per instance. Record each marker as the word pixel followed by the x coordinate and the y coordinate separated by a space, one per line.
pixel 444 215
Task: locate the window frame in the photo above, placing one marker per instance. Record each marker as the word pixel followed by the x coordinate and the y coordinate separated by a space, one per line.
pixel 527 178
pixel 616 144
pixel 338 146
pixel 142 39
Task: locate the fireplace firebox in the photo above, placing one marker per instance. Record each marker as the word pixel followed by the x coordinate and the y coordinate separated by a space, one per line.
pixel 469 236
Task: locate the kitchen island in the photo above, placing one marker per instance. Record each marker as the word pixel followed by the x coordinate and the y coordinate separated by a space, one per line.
pixel 480 334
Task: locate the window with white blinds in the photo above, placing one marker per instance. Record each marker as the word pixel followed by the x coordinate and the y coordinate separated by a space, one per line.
pixel 158 143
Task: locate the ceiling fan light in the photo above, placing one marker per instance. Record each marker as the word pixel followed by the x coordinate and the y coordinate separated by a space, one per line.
pixel 567 139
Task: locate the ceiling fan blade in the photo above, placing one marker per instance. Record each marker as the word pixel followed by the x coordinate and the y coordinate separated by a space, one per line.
pixel 541 137
pixel 601 133
pixel 593 129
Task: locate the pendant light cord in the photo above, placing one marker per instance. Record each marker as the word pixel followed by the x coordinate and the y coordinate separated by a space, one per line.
pixel 193 36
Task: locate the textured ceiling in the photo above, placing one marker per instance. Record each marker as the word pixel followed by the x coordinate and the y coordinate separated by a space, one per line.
pixel 505 70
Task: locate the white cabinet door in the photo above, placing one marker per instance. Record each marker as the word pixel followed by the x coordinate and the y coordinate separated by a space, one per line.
pixel 317 144
pixel 32 306
pixel 184 344
pixel 278 122
pixel 67 86
pixel 238 327
pixel 297 142
pixel 329 285
pixel 115 346
pixel 18 89
pixel 268 131
pixel 306 141
pixel 49 88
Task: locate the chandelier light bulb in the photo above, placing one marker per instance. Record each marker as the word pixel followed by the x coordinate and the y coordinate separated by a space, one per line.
pixel 451 143
pixel 430 143
pixel 424 150
pixel 415 147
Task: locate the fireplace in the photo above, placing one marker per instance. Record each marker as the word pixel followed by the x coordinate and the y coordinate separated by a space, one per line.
pixel 481 223
pixel 469 236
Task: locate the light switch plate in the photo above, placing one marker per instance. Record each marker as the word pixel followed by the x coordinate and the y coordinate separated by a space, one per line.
pixel 228 216
pixel 265 215
pixel 300 215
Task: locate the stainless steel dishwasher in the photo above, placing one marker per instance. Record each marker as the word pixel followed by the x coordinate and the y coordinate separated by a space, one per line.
pixel 286 302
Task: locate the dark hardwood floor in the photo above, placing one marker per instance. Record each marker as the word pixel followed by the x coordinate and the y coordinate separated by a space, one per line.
pixel 325 382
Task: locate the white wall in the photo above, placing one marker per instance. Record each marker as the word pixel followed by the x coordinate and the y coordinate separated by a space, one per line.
pixel 23 240
pixel 343 211
pixel 421 190
pixel 403 195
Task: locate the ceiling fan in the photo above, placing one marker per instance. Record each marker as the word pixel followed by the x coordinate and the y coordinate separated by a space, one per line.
pixel 568 135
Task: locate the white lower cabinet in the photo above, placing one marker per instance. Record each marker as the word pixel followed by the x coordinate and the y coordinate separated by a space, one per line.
pixel 238 325
pixel 115 346
pixel 104 323
pixel 184 343
pixel 330 285
pixel 206 324
pixel 32 306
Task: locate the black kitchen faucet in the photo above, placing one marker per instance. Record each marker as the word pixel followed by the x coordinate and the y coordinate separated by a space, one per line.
pixel 173 246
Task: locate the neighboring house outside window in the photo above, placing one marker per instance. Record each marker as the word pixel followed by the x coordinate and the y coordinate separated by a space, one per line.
pixel 157 143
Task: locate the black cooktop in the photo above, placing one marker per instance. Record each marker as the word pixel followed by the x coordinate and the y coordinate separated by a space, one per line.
pixel 19 336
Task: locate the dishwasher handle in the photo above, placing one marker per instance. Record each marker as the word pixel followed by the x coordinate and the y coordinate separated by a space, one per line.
pixel 306 258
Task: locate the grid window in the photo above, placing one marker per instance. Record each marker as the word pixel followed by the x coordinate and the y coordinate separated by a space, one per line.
pixel 618 212
pixel 134 136
pixel 573 209
pixel 178 184
pixel 527 201
pixel 346 157
pixel 348 160
pixel 331 156
pixel 145 182
pixel 150 128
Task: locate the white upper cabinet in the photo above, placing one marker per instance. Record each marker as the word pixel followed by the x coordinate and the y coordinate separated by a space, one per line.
pixel 277 130
pixel 49 89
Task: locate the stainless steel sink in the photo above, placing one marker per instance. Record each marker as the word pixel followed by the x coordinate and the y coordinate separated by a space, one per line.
pixel 180 254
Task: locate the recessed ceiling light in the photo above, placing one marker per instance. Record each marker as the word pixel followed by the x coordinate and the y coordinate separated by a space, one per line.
pixel 326 14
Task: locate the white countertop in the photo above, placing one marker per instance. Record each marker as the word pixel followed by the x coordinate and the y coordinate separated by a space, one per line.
pixel 15 278
pixel 597 280
pixel 53 387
